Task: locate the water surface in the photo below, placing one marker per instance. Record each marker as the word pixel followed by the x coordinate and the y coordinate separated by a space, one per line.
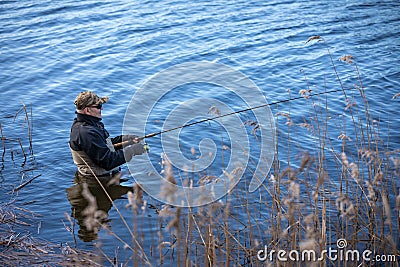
pixel 51 51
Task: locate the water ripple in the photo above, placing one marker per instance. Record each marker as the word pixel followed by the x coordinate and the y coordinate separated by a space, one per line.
pixel 53 50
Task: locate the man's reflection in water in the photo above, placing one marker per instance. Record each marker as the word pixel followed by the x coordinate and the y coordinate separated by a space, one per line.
pixel 90 204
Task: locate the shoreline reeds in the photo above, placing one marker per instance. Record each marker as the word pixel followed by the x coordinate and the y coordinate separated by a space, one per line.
pixel 339 193
pixel 19 245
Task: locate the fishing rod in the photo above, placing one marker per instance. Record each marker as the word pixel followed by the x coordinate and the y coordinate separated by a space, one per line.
pixel 225 115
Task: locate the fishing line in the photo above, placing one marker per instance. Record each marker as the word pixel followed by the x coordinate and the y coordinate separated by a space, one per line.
pixel 235 112
pixel 232 113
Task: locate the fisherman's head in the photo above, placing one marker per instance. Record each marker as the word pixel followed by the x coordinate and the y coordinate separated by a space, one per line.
pixel 89 103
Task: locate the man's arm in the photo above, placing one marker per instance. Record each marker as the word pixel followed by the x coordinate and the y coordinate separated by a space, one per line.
pixel 95 146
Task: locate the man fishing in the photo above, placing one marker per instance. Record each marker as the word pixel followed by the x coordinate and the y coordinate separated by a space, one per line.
pixel 93 151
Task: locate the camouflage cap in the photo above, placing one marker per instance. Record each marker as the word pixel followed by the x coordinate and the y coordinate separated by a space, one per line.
pixel 87 99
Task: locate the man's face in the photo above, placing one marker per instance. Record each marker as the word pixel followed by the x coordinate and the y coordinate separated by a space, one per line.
pixel 94 110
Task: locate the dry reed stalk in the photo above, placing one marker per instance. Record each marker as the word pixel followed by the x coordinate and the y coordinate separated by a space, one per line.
pixel 30 126
pixel 25 184
pixel 3 138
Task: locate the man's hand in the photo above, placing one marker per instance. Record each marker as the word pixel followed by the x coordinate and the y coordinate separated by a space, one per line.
pixel 130 139
pixel 134 150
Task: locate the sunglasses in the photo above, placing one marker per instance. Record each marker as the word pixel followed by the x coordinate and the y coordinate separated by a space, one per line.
pixel 99 106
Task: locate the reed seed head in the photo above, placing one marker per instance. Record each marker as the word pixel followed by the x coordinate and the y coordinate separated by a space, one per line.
pixel 305 93
pixel 214 110
pixel 314 38
pixel 347 58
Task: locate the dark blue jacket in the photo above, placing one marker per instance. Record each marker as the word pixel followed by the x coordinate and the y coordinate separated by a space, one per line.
pixel 89 135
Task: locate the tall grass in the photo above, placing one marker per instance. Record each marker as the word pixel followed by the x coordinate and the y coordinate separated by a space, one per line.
pixel 343 186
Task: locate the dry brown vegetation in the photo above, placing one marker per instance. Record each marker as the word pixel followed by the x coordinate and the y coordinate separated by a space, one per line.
pixel 341 190
pixel 19 227
pixel 344 185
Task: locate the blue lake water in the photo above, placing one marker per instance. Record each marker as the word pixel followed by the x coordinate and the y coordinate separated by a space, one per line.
pixel 52 50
